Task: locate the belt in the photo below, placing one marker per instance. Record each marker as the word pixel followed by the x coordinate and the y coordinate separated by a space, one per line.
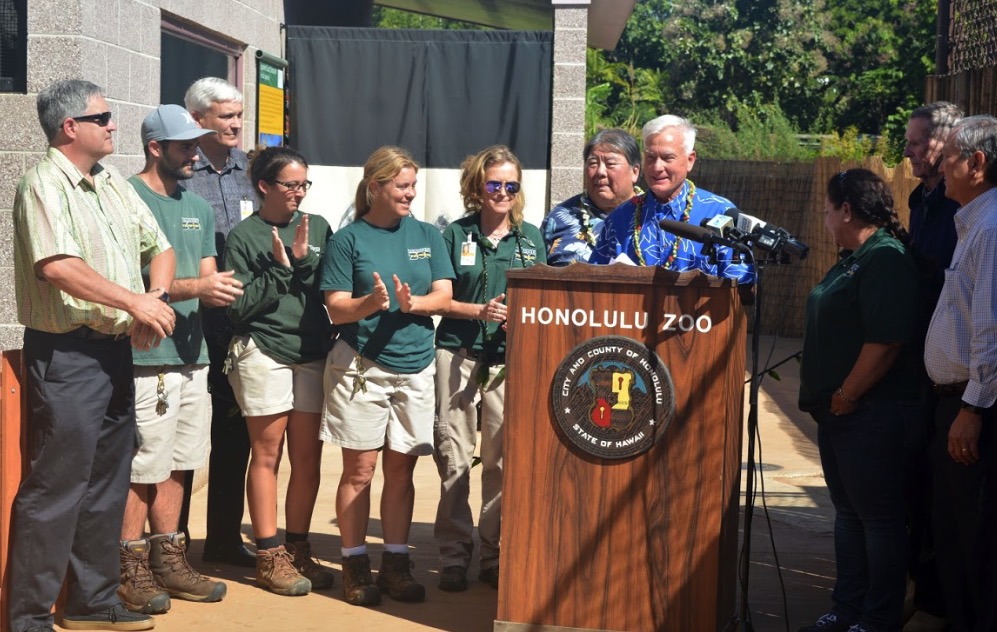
pixel 950 390
pixel 85 333
pixel 478 356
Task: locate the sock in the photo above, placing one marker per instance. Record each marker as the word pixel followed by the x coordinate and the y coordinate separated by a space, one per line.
pixel 264 544
pixel 354 550
pixel 291 538
pixel 396 548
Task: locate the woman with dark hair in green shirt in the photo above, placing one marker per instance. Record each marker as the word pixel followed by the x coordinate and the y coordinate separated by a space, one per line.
pixel 856 374
pixel 277 357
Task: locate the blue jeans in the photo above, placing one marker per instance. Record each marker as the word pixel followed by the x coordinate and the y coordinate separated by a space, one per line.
pixel 863 456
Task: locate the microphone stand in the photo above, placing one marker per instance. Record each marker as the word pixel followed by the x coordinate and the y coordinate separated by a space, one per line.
pixel 743 621
pixel 741 244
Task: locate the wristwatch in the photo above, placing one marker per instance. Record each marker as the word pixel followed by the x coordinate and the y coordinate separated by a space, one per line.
pixel 971 408
pixel 165 297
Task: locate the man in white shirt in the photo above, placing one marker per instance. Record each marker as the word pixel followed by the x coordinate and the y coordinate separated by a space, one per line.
pixel 960 356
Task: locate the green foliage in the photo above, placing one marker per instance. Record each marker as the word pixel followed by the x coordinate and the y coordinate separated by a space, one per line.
pixel 758 133
pixel 754 53
pixel 879 55
pixel 619 95
pixel 754 73
pixel 850 145
pixel 385 18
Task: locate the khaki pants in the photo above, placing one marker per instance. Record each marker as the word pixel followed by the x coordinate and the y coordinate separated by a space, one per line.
pixel 455 435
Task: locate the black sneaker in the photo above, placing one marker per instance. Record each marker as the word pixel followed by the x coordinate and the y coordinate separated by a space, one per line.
pixel 830 622
pixel 489 576
pixel 237 555
pixel 117 617
pixel 453 579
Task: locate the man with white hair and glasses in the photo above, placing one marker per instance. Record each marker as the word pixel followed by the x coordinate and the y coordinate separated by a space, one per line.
pixel 221 176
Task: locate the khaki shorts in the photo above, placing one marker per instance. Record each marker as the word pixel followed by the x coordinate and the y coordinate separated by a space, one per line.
pixel 180 438
pixel 263 386
pixel 395 413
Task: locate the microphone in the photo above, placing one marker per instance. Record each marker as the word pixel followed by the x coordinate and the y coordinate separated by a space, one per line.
pixel 687 230
pixel 767 237
pixel 706 234
pixel 720 224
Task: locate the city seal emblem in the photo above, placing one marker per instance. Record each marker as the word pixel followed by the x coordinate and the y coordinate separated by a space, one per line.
pixel 613 397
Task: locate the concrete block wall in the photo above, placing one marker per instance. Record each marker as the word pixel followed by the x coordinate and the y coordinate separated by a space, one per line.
pixel 115 44
pixel 568 107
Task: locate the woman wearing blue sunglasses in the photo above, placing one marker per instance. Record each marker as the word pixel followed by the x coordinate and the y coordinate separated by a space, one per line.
pixel 470 357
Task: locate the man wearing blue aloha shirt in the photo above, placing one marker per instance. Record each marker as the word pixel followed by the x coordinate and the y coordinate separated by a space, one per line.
pixel 612 164
pixel 669 156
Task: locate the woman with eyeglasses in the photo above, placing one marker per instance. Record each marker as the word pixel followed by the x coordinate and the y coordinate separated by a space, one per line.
pixel 276 360
pixel 384 276
pixel 857 376
pixel 470 357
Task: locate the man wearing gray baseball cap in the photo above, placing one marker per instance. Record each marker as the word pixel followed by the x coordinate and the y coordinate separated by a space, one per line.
pixel 172 407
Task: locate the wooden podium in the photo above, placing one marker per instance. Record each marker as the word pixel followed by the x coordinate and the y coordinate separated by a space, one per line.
pixel 641 543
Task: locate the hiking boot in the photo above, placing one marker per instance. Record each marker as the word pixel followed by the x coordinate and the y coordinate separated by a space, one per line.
pixel 117 617
pixel 275 571
pixel 320 576
pixel 830 622
pixel 358 583
pixel 453 579
pixel 168 561
pixel 395 578
pixel 139 590
pixel 489 576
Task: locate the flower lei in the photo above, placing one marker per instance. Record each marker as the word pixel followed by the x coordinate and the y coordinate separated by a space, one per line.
pixel 638 203
pixel 586 221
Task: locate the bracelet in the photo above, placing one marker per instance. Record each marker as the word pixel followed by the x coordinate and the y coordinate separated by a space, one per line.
pixel 840 393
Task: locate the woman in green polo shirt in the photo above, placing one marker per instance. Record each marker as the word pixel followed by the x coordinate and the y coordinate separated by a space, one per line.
pixel 470 357
pixel 856 375
pixel 277 357
pixel 384 276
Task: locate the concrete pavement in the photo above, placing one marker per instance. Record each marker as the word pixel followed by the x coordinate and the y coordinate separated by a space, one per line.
pixel 798 517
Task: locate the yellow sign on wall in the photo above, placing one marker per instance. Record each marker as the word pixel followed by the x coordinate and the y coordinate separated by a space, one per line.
pixel 271 123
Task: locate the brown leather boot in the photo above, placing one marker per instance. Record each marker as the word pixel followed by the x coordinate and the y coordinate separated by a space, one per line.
pixel 139 590
pixel 358 583
pixel 304 563
pixel 395 578
pixel 275 571
pixel 168 561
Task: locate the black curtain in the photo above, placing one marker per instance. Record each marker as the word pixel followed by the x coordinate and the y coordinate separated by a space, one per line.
pixel 440 94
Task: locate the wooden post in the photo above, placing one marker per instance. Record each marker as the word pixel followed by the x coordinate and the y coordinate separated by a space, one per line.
pixel 13 447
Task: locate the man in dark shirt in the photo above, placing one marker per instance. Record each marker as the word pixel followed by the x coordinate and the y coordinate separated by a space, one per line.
pixel 221 176
pixel 933 237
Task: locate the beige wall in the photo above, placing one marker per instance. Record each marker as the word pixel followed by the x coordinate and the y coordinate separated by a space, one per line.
pixel 115 44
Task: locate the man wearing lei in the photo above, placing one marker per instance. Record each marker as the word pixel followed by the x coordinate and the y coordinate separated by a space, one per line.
pixel 632 229
pixel 612 164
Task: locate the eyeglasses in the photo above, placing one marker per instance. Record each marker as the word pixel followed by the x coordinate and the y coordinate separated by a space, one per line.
pixel 295 186
pixel 494 186
pixel 101 119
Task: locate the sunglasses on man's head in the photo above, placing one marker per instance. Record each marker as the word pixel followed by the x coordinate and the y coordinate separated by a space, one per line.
pixel 494 186
pixel 101 119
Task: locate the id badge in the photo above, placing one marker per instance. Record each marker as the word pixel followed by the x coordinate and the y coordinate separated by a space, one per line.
pixel 468 252
pixel 246 208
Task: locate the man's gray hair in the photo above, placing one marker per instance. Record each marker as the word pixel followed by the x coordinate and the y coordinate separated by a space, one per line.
pixel 618 141
pixel 978 133
pixel 207 90
pixel 655 126
pixel 62 100
pixel 941 116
